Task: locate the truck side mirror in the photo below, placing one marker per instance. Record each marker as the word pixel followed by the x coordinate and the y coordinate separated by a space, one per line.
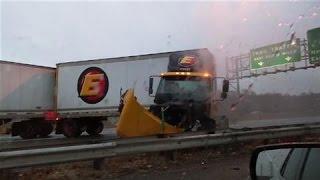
pixel 225 86
pixel 224 95
pixel 225 89
pixel 150 86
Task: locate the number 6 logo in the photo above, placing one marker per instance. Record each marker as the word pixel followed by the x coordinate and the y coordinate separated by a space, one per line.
pixel 93 85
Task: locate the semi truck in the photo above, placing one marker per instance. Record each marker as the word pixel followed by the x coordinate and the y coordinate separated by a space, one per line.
pixel 89 92
pixel 26 99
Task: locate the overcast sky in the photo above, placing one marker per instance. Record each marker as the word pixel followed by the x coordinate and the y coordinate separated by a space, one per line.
pixel 46 33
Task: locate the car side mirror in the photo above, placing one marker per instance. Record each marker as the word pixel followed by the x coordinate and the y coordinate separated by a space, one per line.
pixel 277 161
pixel 150 86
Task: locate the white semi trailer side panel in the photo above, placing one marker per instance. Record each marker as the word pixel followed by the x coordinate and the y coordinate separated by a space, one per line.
pixel 25 89
pixel 122 73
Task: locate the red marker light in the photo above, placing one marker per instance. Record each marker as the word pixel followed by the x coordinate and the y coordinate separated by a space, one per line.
pixel 51 116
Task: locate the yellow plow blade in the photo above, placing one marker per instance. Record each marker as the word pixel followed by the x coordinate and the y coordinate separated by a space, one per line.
pixel 135 120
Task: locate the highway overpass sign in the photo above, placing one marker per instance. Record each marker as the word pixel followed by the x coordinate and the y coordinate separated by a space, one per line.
pixel 275 54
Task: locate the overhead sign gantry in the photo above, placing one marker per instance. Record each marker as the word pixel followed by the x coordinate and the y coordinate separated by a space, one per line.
pixel 284 56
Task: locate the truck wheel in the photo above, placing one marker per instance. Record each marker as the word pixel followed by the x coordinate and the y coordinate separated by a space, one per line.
pixel 28 131
pixel 94 128
pixel 71 128
pixel 208 124
pixel 213 126
pixel 45 129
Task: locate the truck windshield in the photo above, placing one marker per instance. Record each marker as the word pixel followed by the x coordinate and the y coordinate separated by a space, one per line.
pixel 184 88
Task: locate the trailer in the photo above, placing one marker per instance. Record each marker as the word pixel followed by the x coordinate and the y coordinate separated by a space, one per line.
pixel 88 92
pixel 27 98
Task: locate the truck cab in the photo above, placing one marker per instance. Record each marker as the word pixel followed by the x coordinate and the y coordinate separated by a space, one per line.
pixel 182 98
pixel 184 94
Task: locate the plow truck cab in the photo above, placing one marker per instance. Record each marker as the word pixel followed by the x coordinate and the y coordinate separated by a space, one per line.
pixel 183 100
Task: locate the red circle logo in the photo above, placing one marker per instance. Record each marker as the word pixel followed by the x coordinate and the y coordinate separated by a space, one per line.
pixel 93 85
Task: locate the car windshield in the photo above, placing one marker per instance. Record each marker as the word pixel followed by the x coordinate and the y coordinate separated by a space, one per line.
pixel 155 89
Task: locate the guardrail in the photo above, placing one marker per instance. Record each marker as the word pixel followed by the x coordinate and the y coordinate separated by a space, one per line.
pixel 44 156
pixel 22 144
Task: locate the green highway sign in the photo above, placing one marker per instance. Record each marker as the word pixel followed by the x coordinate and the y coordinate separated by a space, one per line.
pixel 313 36
pixel 275 54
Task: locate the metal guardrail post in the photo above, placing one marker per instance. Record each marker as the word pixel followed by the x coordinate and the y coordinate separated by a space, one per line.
pixel 98 163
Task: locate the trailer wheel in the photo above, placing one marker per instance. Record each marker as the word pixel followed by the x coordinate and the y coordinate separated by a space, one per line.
pixel 45 129
pixel 94 128
pixel 71 128
pixel 27 131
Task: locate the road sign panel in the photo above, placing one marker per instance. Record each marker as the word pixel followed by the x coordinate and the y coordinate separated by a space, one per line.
pixel 313 36
pixel 275 54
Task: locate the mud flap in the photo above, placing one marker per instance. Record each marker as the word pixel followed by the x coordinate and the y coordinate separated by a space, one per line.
pixel 16 128
pixel 5 127
pixel 135 120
